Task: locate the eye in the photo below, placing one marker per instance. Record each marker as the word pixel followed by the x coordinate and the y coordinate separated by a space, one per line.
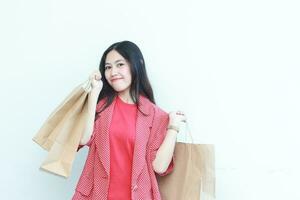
pixel 107 67
pixel 120 64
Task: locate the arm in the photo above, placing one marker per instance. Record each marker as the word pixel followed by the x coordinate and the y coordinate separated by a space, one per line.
pixel 162 163
pixel 165 152
pixel 165 141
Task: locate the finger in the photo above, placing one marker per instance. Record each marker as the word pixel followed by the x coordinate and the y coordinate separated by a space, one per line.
pixel 183 118
pixel 97 73
pixel 95 76
pixel 179 113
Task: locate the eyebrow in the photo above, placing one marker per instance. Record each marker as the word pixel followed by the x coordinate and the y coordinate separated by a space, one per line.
pixel 116 61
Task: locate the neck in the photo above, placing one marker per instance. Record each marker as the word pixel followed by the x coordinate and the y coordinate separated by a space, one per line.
pixel 126 98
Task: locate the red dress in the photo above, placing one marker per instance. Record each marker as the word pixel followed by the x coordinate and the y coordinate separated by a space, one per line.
pixel 122 139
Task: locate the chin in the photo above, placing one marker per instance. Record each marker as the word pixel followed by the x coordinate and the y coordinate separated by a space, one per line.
pixel 119 89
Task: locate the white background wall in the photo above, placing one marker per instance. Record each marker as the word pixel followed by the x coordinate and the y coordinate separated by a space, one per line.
pixel 232 66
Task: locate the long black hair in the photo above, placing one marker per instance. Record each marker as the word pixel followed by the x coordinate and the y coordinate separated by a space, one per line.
pixel 140 83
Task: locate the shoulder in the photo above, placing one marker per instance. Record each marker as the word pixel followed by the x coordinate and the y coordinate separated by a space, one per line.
pixel 155 109
pixel 158 113
pixel 100 104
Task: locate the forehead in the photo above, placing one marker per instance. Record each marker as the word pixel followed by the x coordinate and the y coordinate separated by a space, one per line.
pixel 114 57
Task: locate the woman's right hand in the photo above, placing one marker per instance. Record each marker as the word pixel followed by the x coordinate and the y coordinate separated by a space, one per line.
pixel 96 81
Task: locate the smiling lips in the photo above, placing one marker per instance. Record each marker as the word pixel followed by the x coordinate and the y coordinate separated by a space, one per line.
pixel 112 80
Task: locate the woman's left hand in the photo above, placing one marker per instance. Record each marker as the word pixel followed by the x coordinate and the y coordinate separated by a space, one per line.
pixel 176 117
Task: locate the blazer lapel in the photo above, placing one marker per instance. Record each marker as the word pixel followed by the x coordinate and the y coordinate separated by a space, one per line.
pixel 143 124
pixel 103 139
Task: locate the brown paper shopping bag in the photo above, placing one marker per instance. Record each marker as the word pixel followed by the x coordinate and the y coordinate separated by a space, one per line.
pixel 61 132
pixel 193 176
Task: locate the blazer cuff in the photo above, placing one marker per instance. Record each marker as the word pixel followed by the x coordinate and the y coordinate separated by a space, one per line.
pixel 169 169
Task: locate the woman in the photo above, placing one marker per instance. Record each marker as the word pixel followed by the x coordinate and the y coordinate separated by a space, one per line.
pixel 130 139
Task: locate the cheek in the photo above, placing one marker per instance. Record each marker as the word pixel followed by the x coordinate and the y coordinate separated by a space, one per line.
pixel 106 76
pixel 128 74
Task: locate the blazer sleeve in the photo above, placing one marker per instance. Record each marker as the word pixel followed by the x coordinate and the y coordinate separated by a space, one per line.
pixel 88 143
pixel 159 131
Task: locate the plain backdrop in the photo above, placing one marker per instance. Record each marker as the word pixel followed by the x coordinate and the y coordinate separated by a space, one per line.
pixel 231 66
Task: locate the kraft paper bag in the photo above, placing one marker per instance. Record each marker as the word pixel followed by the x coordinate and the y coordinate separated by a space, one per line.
pixel 61 132
pixel 193 176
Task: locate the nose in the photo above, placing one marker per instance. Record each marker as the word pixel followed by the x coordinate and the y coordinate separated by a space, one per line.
pixel 114 71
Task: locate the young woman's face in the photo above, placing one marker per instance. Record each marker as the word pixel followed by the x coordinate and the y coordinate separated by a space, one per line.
pixel 117 72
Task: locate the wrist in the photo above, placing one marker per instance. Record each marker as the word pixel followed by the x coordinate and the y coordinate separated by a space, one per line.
pixel 173 127
pixel 95 91
pixel 174 123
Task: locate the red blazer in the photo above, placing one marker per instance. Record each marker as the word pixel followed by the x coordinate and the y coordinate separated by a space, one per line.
pixel 151 129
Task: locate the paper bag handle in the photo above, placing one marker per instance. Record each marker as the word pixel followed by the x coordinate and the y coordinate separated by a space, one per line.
pixel 87 85
pixel 188 132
